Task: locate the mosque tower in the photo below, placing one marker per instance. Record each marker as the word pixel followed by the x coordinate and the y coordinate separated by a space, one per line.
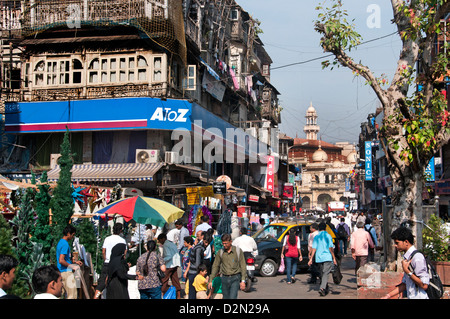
pixel 311 128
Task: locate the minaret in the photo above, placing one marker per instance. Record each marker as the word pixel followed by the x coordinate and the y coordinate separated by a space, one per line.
pixel 311 128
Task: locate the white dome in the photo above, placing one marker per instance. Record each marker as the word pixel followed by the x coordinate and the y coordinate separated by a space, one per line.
pixel 320 156
pixel 337 164
pixel 352 158
pixel 311 109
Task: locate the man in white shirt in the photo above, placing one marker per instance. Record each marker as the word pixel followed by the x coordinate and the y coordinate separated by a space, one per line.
pixel 8 265
pixel 314 267
pixel 246 243
pixel 204 226
pixel 415 278
pixel 183 233
pixel 47 282
pixel 108 245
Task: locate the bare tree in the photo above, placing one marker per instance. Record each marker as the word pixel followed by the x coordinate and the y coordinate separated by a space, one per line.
pixel 415 124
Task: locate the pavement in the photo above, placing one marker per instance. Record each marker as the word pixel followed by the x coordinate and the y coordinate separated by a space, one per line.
pixel 277 288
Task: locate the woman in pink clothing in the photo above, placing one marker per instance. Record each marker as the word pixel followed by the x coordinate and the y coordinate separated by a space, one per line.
pixel 360 242
pixel 291 247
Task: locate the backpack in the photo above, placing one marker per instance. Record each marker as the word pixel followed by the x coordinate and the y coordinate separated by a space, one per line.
pixel 370 233
pixel 341 232
pixel 435 288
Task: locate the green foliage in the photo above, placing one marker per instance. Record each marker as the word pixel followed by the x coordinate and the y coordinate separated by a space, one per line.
pixel 339 33
pixel 436 240
pixel 42 233
pixel 28 253
pixel 62 202
pixel 6 247
pixel 418 123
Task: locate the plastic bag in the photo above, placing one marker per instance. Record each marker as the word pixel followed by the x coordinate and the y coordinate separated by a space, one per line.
pixel 281 269
pixel 171 293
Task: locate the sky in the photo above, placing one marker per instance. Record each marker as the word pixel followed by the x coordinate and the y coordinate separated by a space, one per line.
pixel 341 100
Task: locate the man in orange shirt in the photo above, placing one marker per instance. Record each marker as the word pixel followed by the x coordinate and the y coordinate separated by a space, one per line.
pixel 360 242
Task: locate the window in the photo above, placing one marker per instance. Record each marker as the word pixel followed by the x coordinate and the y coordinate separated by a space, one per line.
pixel 157 68
pixel 54 72
pixel 93 74
pixel 118 69
pixel 271 231
pixel 190 82
pixel 234 15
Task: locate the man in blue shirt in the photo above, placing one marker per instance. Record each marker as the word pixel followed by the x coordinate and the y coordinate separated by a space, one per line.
pixel 64 262
pixel 368 227
pixel 323 252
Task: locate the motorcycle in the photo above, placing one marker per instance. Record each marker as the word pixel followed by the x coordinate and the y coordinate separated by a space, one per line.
pixel 250 261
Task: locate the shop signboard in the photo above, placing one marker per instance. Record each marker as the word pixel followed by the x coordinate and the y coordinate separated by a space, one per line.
pixel 368 161
pixel 220 187
pixel 270 174
pixel 98 114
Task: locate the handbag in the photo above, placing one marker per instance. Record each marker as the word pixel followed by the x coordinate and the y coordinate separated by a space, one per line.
pixel 161 274
pixel 337 275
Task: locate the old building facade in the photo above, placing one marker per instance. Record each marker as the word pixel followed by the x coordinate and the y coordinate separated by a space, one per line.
pixel 134 80
pixel 325 167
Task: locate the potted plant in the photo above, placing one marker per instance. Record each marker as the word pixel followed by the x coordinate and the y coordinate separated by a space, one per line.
pixel 436 242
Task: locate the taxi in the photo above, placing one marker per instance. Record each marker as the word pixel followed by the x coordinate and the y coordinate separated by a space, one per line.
pixel 270 243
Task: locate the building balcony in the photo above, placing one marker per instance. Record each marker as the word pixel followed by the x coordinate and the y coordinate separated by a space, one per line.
pixel 161 20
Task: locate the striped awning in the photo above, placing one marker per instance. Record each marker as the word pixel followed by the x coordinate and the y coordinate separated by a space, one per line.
pixel 110 172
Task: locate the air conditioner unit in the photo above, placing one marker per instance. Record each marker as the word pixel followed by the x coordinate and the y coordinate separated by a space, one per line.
pixel 171 157
pixel 147 156
pixel 54 160
pixel 253 131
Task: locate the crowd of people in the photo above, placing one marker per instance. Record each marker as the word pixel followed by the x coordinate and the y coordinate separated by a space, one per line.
pixel 208 264
pixel 212 266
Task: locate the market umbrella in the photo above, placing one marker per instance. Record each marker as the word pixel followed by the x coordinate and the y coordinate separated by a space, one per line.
pixel 143 210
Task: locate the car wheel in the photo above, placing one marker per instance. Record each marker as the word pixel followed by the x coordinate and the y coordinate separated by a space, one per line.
pixel 269 268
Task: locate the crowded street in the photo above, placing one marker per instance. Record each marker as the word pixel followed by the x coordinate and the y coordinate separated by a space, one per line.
pixel 180 152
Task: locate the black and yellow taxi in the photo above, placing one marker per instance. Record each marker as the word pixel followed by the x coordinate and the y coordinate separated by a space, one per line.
pixel 270 242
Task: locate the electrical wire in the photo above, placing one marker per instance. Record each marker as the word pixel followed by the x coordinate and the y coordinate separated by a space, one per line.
pixel 331 54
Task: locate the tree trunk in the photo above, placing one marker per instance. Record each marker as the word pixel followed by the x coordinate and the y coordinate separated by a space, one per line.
pixel 407 211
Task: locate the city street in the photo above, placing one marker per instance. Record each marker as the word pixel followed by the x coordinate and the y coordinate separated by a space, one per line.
pixel 276 287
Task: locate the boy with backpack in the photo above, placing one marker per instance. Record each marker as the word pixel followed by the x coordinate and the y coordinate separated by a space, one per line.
pixel 416 278
pixel 343 234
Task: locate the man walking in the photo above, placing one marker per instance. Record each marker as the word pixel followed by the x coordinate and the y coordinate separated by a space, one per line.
pixel 172 261
pixel 230 262
pixel 323 252
pixel 373 234
pixel 359 243
pixel 343 234
pixel 108 245
pixel 314 267
pixel 415 278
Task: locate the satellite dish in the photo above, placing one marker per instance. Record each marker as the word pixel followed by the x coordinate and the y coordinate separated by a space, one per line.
pixel 143 157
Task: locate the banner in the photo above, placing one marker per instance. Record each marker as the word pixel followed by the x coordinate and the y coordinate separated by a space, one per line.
pixel 368 165
pixel 270 175
pixel 288 191
pixel 430 171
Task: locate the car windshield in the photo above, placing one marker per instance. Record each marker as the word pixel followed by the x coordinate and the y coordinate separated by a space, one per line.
pixel 270 231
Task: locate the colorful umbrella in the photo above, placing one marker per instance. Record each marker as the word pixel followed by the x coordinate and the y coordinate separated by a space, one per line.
pixel 143 210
